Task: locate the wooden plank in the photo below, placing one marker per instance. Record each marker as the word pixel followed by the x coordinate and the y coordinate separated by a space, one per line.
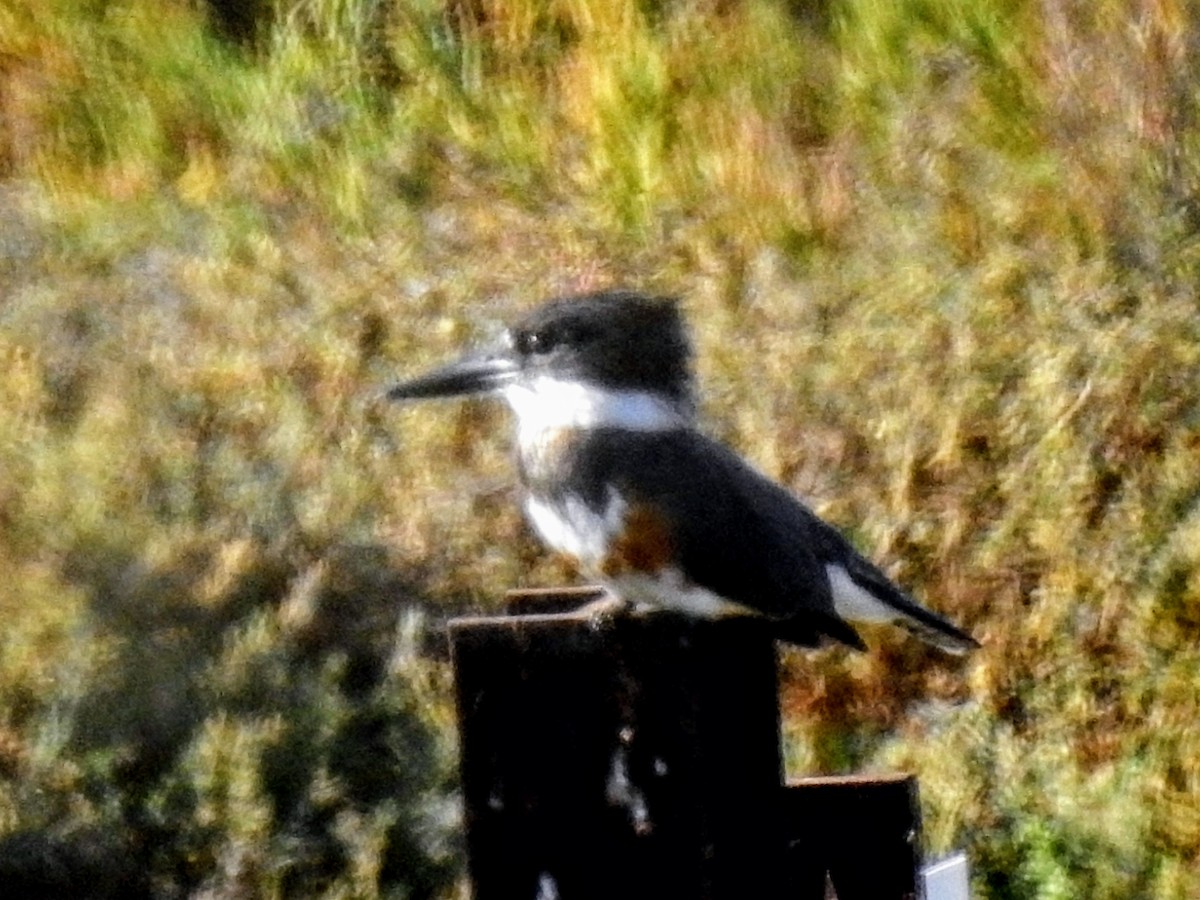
pixel 541 601
pixel 636 757
pixel 864 830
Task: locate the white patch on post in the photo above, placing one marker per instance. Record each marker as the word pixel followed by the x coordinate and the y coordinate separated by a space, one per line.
pixel 547 887
pixel 621 791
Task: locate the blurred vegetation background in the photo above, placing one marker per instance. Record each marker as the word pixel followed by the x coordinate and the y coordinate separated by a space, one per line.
pixel 941 261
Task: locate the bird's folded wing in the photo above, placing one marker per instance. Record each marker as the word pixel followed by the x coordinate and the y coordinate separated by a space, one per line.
pixel 734 532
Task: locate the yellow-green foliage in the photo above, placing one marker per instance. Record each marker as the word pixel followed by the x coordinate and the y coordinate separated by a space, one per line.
pixel 941 262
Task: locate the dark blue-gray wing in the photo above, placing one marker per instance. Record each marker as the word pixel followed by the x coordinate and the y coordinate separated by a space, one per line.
pixel 906 612
pixel 746 539
pixel 734 532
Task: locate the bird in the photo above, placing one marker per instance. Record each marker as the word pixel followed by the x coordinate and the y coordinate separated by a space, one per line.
pixel 617 474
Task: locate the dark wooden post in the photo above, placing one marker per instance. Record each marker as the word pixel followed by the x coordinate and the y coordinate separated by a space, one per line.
pixel 633 758
pixel 863 830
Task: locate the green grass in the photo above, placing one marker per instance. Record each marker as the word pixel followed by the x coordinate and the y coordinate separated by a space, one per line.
pixel 940 262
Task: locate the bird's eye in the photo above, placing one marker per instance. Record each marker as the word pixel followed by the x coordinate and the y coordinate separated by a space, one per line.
pixel 543 340
pixel 530 343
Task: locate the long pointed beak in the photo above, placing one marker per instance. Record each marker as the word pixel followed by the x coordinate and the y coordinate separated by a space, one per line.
pixel 469 375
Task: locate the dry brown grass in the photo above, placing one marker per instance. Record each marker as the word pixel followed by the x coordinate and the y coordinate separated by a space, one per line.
pixel 940 261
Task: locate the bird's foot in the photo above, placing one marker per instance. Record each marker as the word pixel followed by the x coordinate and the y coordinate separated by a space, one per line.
pixel 601 612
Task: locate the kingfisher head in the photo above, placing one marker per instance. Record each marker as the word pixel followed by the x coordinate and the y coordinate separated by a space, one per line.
pixel 609 359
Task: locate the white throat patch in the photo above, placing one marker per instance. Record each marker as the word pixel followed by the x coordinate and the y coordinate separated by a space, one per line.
pixel 543 403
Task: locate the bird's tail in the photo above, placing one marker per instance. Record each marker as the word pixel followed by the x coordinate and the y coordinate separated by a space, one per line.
pixel 861 593
pixel 935 630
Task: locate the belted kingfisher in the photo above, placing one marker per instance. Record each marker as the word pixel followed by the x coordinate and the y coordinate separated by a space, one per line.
pixel 616 475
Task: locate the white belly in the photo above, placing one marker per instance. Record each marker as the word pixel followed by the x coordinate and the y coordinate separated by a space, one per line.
pixel 668 590
pixel 574 528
